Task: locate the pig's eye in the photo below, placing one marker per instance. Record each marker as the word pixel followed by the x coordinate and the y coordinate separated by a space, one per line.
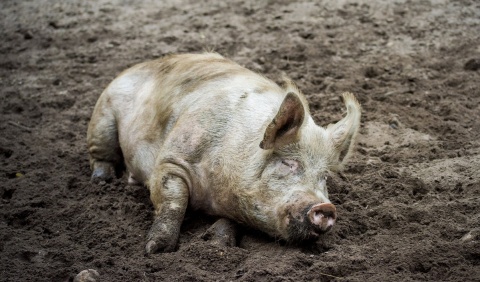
pixel 289 166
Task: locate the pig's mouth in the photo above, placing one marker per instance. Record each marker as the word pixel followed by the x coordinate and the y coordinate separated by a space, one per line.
pixel 299 231
pixel 314 234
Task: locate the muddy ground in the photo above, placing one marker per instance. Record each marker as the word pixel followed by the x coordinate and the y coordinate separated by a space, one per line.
pixel 408 202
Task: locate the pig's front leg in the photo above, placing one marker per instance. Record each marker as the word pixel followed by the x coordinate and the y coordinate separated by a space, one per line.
pixel 169 195
pixel 222 233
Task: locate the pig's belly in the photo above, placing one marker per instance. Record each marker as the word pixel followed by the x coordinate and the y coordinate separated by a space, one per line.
pixel 141 161
pixel 131 97
pixel 139 152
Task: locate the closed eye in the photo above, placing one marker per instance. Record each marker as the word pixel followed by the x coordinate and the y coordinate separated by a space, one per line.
pixel 290 165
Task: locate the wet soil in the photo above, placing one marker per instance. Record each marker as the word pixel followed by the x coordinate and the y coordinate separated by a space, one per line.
pixel 408 202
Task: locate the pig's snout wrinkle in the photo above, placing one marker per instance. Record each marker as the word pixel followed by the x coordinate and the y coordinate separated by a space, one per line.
pixel 322 216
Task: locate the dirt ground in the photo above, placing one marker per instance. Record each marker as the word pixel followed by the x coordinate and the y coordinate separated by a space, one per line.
pixel 408 202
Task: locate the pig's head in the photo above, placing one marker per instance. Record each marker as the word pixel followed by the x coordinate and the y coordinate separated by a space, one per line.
pixel 299 155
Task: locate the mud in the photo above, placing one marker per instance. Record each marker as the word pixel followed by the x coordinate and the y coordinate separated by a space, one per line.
pixel 408 203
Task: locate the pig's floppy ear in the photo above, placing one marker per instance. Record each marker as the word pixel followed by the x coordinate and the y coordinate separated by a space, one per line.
pixel 285 126
pixel 343 133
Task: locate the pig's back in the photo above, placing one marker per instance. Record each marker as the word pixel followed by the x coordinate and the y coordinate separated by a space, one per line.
pixel 180 103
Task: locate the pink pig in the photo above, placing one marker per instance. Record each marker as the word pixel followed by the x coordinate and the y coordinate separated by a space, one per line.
pixel 201 131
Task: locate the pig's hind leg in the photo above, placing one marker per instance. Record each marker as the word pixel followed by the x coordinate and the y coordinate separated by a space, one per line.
pixel 169 195
pixel 102 140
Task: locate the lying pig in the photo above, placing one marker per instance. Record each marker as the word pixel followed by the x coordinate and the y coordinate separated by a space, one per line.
pixel 201 131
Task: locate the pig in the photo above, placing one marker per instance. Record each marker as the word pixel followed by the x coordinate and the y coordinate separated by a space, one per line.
pixel 203 132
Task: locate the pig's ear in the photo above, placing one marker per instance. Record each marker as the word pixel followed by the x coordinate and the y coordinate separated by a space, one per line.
pixel 284 128
pixel 343 133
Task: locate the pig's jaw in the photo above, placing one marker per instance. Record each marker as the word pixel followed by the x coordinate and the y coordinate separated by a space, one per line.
pixel 299 228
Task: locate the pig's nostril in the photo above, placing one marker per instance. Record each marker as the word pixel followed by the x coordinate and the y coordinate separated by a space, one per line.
pixel 319 214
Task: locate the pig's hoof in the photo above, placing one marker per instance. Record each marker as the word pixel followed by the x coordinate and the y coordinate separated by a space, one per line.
pixel 222 233
pixel 88 275
pixel 102 171
pixel 161 238
pixel 152 247
pixel 132 181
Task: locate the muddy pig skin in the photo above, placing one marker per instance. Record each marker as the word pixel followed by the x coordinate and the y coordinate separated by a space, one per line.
pixel 201 131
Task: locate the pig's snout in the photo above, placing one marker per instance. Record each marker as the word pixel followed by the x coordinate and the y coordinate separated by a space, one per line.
pixel 322 217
